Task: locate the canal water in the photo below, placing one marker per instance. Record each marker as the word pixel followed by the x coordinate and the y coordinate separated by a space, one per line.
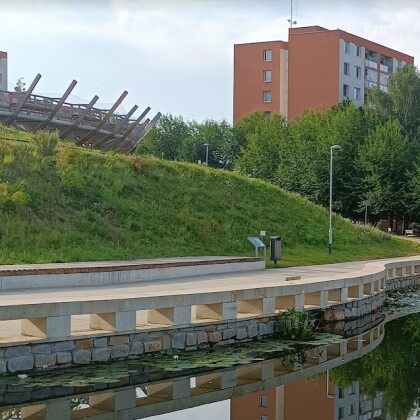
pixel 371 372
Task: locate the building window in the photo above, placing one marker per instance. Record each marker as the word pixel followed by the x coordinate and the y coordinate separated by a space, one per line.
pixel 357 94
pixel 341 413
pixel 263 417
pixel 267 76
pixel 347 47
pixel 352 411
pixel 267 113
pixel 358 50
pixel 340 392
pixel 357 72
pixel 267 96
pixel 268 55
pixel 346 90
pixel 263 401
pixel 347 69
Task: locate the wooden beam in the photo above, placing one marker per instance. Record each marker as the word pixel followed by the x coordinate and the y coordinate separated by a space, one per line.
pixel 58 106
pixel 104 120
pixel 26 96
pixel 82 116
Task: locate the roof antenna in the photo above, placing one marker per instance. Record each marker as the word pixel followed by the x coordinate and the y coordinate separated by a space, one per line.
pixel 291 21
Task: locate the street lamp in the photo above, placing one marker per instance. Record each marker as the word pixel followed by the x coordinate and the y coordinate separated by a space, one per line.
pixel 207 153
pixel 330 232
pixel 366 204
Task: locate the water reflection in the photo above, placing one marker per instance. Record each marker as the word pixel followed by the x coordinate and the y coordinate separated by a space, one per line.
pixel 330 382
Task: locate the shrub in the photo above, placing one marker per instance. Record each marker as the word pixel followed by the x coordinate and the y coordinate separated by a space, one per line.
pixel 295 325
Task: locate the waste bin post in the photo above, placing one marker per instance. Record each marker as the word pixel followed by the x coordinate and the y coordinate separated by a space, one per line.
pixel 275 248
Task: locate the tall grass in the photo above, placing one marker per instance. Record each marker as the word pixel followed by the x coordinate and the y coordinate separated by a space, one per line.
pixel 76 205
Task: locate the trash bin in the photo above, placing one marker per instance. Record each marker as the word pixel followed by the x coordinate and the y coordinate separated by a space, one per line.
pixel 275 248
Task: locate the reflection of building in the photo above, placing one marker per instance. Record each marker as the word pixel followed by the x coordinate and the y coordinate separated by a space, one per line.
pixel 316 67
pixel 3 70
pixel 265 405
pixel 307 399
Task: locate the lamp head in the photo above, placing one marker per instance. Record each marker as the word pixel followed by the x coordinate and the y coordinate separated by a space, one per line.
pixel 336 146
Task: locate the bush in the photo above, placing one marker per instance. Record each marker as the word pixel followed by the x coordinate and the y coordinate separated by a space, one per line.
pixel 295 325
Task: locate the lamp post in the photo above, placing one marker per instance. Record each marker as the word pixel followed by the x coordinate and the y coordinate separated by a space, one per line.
pixel 330 232
pixel 366 204
pixel 207 153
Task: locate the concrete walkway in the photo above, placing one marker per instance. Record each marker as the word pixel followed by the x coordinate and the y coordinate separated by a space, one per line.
pixel 227 282
pixel 192 285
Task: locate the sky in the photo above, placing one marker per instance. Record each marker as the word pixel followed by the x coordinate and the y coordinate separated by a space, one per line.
pixel 175 56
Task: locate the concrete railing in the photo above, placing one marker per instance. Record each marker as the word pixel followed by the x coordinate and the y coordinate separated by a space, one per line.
pixel 54 320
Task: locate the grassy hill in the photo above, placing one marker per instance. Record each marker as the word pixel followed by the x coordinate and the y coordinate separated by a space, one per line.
pixel 61 203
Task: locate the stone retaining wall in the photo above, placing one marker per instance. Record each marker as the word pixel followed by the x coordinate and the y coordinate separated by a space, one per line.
pixel 403 283
pixel 83 351
pixel 355 309
pixel 103 349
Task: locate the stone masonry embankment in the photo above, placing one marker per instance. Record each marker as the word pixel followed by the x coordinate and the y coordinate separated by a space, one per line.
pixel 212 311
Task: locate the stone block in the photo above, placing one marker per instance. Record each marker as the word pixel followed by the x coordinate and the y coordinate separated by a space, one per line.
pixel 221 327
pixel 41 348
pixel 166 342
pixel 155 335
pixel 84 344
pixel 3 366
pixel 191 339
pixel 41 394
pixel 139 336
pixel 241 334
pixel 118 339
pixel 82 357
pixel 17 351
pixel 137 348
pixel 210 328
pixel 63 357
pixel 215 337
pixel 20 364
pixel 229 333
pixel 178 341
pixel 263 329
pixel 271 327
pixel 202 338
pixel 152 346
pixel 120 351
pixel 101 354
pixel 191 348
pixel 253 331
pixel 63 346
pixel 18 397
pixel 100 342
pixel 45 360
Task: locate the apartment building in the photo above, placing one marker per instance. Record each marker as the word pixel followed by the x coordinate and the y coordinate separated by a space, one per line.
pixel 307 399
pixel 3 70
pixel 316 68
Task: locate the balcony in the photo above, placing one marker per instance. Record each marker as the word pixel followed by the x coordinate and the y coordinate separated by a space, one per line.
pixel 384 68
pixel 371 63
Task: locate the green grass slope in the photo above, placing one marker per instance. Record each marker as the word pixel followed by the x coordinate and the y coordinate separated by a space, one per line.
pixel 60 203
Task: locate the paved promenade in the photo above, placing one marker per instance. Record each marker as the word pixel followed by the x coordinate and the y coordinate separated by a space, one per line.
pixel 190 285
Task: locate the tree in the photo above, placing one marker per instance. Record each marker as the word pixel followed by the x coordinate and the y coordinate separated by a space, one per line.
pixel 385 160
pixel 165 140
pixel 402 102
pixel 261 154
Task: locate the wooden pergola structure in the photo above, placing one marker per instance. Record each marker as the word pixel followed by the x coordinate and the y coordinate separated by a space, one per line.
pixel 83 124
